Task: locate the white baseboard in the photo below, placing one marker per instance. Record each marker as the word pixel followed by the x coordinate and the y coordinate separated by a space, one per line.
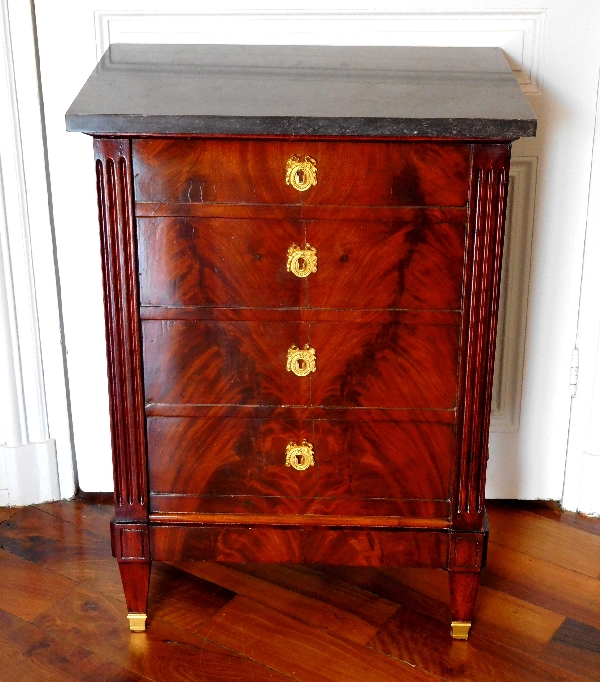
pixel 31 474
pixel 589 491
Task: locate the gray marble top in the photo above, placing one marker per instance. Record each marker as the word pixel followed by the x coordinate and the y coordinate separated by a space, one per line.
pixel 303 90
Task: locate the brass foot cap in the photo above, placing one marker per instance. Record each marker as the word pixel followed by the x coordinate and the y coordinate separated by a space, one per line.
pixel 137 622
pixel 459 629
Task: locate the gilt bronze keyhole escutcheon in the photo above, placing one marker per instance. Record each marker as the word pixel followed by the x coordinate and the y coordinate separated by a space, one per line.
pixel 300 457
pixel 301 175
pixel 301 262
pixel 301 362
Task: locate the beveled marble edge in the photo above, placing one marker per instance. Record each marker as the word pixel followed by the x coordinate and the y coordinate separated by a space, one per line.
pixel 127 124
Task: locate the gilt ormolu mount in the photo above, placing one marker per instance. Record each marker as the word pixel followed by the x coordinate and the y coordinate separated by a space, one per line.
pixel 301 251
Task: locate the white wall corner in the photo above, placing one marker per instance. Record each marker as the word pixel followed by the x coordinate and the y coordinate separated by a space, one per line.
pixel 35 435
pixel 31 473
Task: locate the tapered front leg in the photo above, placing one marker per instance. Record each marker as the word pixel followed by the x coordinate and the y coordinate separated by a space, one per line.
pixel 131 546
pixel 135 577
pixel 463 591
pixel 466 559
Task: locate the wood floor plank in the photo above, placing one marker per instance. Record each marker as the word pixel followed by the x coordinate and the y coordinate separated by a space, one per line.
pixel 26 590
pixel 550 510
pixel 183 599
pixel 543 538
pixel 94 516
pixel 62 547
pixel 495 611
pixel 164 653
pixel 423 642
pixel 390 582
pixel 319 615
pixel 325 588
pixel 300 650
pixel 579 645
pixel 521 626
pixel 512 621
pixel 29 653
pixel 509 619
pixel 539 582
pixel 580 635
pixel 527 629
pixel 6 513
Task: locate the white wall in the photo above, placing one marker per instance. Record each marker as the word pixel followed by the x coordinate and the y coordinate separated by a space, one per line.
pixel 554 49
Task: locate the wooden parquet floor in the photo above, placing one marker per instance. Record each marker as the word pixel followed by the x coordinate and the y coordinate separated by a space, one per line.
pixel 62 613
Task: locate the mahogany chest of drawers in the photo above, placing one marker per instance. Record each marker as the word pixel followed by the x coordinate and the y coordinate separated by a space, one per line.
pixel 302 252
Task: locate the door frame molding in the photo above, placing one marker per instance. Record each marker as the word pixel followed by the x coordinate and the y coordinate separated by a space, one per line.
pixel 36 453
pixel 581 489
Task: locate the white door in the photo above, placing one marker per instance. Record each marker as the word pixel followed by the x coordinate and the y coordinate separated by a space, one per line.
pixel 582 471
pixel 554 49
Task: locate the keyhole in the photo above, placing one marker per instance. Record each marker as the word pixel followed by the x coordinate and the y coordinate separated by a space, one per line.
pixel 299 459
pixel 300 364
pixel 301 264
pixel 300 177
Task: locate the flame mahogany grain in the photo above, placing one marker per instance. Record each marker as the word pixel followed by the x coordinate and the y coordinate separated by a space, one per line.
pixel 358 364
pixel 219 262
pixel 200 312
pixel 369 510
pixel 241 263
pixel 254 171
pixel 297 546
pixel 245 457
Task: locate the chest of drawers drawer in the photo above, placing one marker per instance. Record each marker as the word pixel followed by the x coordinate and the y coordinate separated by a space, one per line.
pixel 413 261
pixel 246 465
pixel 357 362
pixel 171 172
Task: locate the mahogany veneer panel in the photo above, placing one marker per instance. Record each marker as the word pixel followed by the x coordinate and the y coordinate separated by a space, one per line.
pixel 384 459
pixel 385 365
pixel 353 459
pixel 358 364
pixel 254 171
pixel 222 362
pixel 413 262
pixel 297 546
pixel 222 457
pixel 218 262
pixel 321 507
